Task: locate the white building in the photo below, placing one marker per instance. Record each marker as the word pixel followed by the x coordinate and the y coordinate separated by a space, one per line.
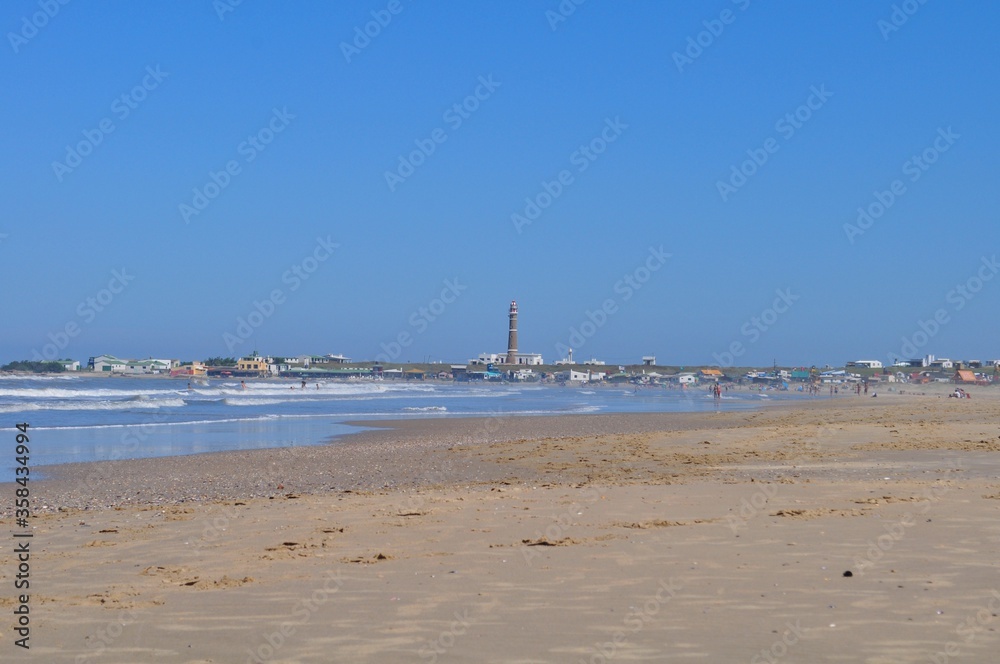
pixel 70 365
pixel 573 376
pixel 566 360
pixel 687 379
pixel 528 359
pixel 594 362
pixel 306 360
pixel 866 364
pixel 145 367
pixel 489 358
pixel 108 364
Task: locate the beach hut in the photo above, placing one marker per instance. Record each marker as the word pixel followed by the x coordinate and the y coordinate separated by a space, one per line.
pixel 964 376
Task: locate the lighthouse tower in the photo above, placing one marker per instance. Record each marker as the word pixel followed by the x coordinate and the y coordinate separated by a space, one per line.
pixel 512 334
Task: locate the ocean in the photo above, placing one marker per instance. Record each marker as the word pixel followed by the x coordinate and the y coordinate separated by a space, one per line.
pixel 96 418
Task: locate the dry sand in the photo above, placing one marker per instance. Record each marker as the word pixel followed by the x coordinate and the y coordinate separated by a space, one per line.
pixel 714 537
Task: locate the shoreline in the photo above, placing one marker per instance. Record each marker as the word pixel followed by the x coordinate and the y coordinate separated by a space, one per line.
pixel 386 455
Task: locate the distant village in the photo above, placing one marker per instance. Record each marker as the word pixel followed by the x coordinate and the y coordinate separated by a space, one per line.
pixel 531 368
pixel 515 366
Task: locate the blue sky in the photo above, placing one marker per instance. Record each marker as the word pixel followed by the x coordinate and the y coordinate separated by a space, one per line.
pixel 330 121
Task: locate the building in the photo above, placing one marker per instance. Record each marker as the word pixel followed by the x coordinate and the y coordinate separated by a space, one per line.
pixel 530 359
pixel 649 360
pixel 512 334
pixel 69 365
pixel 865 364
pixel 106 364
pixel 146 367
pixel 711 374
pixel 307 360
pixel 489 358
pixel 194 369
pixel 524 375
pixel 254 363
pixel 566 360
pixel 965 377
pixel 594 362
pixel 687 379
pixel 573 376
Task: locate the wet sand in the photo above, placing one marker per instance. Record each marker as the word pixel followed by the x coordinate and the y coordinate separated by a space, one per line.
pixel 717 537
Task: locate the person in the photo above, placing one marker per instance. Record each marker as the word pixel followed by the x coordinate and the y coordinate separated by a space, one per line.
pixel 243 385
pixel 189 387
pixel 303 384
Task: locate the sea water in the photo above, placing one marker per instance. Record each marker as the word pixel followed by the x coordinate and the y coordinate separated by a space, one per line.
pixel 96 418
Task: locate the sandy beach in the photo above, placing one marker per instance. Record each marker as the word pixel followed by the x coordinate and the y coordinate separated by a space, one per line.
pixel 828 530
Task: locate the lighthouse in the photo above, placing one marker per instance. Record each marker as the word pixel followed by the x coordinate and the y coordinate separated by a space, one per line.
pixel 512 334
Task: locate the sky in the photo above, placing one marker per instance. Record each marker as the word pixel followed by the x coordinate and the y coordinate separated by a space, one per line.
pixel 729 182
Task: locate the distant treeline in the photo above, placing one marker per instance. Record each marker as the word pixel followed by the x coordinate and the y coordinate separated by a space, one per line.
pixel 34 367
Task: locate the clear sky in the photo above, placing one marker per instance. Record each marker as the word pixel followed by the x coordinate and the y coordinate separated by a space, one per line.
pixel 361 204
